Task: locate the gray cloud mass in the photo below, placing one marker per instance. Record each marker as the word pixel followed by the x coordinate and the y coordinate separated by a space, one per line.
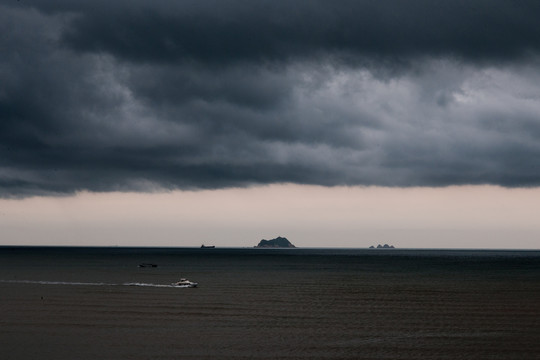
pixel 146 96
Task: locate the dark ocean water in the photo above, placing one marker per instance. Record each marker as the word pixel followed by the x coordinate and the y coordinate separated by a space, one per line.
pixel 96 303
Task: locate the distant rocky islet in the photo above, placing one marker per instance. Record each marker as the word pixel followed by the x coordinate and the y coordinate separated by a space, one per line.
pixel 279 242
pixel 385 246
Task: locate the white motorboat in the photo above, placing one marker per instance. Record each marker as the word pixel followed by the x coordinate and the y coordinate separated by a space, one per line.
pixel 185 283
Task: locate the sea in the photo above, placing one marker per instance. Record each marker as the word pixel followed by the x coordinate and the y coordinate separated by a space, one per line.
pixel 251 303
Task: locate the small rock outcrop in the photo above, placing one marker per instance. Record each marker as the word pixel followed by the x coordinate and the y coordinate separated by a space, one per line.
pixel 385 246
pixel 279 242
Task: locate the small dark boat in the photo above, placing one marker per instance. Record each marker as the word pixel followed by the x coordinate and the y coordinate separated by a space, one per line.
pixel 207 246
pixel 144 265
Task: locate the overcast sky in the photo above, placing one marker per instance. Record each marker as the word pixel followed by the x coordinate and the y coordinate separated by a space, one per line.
pixel 163 97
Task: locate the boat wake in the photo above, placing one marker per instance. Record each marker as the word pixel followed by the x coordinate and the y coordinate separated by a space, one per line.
pixel 76 283
pixel 154 285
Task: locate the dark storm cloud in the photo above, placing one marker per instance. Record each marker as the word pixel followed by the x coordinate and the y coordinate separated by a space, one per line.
pixel 144 96
pixel 219 33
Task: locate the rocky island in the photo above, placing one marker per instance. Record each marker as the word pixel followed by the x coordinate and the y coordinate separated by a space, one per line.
pixel 385 246
pixel 279 242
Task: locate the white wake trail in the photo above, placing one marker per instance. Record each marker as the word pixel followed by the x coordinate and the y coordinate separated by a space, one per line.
pixel 77 283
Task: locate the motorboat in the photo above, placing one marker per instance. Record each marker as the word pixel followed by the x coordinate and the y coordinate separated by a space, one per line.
pixel 208 246
pixel 143 265
pixel 185 283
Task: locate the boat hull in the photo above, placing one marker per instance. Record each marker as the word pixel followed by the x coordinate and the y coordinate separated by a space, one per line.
pixel 185 284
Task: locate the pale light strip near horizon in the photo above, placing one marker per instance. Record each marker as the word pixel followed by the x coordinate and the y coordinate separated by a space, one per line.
pixel 309 216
